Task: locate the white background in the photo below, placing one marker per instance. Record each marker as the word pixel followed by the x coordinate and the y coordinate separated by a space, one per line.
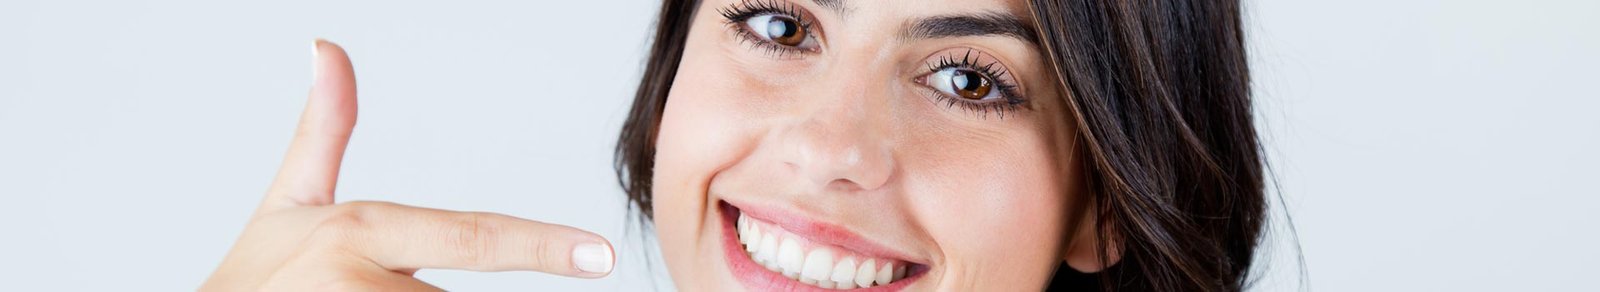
pixel 1419 145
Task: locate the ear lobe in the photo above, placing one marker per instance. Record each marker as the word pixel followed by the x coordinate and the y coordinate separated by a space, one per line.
pixel 1083 251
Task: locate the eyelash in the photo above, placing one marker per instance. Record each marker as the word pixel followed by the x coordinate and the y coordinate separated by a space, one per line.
pixel 1012 99
pixel 738 13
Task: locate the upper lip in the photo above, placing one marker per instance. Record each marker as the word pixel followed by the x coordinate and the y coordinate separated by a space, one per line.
pixel 818 231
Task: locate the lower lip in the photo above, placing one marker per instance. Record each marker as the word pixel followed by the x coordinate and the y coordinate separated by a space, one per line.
pixel 758 278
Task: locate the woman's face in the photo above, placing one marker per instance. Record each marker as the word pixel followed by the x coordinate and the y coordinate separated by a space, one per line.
pixel 841 144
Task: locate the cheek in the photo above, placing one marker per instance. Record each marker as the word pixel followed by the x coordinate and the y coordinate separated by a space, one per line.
pixel 715 115
pixel 707 124
pixel 1013 201
pixel 691 145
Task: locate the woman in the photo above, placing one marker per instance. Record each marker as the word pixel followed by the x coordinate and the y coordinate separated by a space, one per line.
pixel 995 145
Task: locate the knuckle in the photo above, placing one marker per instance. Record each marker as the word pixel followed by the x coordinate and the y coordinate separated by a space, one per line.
pixel 345 220
pixel 473 236
pixel 541 254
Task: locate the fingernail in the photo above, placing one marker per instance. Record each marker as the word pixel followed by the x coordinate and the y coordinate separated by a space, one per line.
pixel 592 258
pixel 316 60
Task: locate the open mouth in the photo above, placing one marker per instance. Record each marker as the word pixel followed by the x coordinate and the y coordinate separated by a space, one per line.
pixel 799 255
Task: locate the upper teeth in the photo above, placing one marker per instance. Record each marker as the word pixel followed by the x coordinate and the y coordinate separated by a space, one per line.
pixel 817 265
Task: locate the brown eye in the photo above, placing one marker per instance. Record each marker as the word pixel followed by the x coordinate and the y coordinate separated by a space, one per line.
pixel 972 80
pixel 785 31
pixel 970 84
pixel 781 29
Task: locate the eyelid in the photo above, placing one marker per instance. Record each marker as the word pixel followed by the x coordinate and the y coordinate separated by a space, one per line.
pixel 747 9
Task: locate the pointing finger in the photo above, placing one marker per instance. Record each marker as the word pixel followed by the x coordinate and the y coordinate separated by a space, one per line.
pixel 404 238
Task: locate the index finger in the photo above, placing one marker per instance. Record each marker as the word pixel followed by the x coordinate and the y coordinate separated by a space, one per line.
pixel 398 237
pixel 310 170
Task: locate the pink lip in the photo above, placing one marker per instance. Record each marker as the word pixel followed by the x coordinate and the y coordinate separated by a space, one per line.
pixel 758 278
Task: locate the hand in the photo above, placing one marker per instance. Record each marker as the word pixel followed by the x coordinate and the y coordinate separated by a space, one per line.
pixel 300 240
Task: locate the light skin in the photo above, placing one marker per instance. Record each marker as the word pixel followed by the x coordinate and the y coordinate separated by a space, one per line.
pixel 300 240
pixel 844 132
pixel 847 134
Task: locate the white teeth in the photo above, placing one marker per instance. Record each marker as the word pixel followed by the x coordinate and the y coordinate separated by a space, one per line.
pixel 744 233
pixel 753 233
pixel 768 253
pixel 844 274
pixel 825 284
pixel 790 258
pixel 886 274
pixel 845 285
pixel 819 266
pixel 866 273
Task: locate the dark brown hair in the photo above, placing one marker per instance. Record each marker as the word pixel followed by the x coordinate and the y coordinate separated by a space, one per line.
pixel 1159 91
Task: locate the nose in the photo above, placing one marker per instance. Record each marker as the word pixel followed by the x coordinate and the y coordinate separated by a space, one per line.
pixel 838 142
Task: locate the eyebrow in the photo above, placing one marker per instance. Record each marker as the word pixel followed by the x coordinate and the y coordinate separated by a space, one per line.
pixel 982 24
pixel 836 5
pixel 952 26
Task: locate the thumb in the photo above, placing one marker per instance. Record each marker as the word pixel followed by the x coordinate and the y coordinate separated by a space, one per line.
pixel 311 168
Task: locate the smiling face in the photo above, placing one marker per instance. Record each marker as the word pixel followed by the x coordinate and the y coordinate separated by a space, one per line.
pixel 843 144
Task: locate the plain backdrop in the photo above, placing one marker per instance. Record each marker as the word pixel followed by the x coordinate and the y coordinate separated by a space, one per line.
pixel 1418 145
